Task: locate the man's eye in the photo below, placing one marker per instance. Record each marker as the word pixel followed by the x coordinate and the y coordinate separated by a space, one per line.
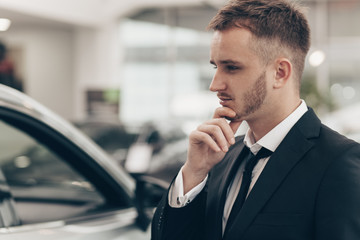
pixel 232 68
pixel 214 67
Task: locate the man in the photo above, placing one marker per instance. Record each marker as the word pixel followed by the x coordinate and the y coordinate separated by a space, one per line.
pixel 309 186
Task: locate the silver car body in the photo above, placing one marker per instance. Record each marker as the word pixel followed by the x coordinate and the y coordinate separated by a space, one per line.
pixel 116 224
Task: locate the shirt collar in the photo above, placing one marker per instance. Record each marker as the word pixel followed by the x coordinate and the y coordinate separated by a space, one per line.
pixel 273 138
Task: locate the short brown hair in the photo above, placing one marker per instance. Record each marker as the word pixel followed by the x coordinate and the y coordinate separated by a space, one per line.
pixel 277 25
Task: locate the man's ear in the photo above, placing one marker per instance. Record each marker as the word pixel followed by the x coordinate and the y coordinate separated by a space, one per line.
pixel 283 71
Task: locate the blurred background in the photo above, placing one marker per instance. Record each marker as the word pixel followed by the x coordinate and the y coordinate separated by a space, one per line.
pixel 142 67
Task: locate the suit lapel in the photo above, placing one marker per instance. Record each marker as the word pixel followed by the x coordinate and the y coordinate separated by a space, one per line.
pixel 286 156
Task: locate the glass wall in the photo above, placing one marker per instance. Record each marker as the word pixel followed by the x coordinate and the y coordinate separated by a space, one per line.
pixel 166 71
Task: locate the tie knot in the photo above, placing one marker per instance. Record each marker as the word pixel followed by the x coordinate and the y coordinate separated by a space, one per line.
pixel 263 153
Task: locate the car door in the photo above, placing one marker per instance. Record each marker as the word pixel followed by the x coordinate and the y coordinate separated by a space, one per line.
pixel 51 188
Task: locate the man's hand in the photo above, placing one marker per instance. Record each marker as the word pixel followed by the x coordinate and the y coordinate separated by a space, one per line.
pixel 208 145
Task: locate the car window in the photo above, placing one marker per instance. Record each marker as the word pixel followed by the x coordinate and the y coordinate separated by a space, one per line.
pixel 44 186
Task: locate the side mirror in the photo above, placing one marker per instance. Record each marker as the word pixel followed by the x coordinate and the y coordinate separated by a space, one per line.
pixel 149 192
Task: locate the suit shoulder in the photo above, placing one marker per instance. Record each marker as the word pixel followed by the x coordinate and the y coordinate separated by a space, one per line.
pixel 336 139
pixel 334 144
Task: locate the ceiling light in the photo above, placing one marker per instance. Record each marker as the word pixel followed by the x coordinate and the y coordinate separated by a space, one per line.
pixel 317 58
pixel 4 24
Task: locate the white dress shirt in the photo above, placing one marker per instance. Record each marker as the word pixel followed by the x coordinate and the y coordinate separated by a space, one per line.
pixel 270 141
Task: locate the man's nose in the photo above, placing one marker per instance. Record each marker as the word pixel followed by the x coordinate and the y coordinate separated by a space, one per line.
pixel 217 83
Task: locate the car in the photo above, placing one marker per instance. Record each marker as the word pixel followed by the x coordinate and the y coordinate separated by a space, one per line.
pixel 158 153
pixel 161 144
pixel 111 135
pixel 56 183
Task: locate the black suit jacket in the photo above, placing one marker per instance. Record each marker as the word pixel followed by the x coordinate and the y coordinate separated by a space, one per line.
pixel 309 189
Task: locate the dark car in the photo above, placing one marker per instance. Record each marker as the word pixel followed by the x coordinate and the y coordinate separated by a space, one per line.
pixel 159 152
pixel 111 135
pixel 154 150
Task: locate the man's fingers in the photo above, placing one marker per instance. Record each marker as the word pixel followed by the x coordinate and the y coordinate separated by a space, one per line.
pixel 201 137
pixel 225 128
pixel 230 115
pixel 218 135
pixel 224 112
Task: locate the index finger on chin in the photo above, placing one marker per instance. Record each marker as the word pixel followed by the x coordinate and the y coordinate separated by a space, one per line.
pixel 224 112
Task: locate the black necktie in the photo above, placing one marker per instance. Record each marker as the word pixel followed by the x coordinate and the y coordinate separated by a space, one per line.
pixel 251 161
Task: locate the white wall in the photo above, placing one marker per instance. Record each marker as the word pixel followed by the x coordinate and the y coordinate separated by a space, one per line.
pixel 97 62
pixel 60 64
pixel 48 65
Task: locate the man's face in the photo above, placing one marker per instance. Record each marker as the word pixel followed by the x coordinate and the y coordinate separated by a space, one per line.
pixel 240 78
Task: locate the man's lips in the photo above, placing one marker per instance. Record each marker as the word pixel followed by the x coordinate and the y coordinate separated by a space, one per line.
pixel 224 99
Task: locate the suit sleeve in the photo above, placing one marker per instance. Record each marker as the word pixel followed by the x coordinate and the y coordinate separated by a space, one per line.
pixel 179 223
pixel 338 204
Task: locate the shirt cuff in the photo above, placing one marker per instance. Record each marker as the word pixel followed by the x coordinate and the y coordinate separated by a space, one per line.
pixel 176 197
